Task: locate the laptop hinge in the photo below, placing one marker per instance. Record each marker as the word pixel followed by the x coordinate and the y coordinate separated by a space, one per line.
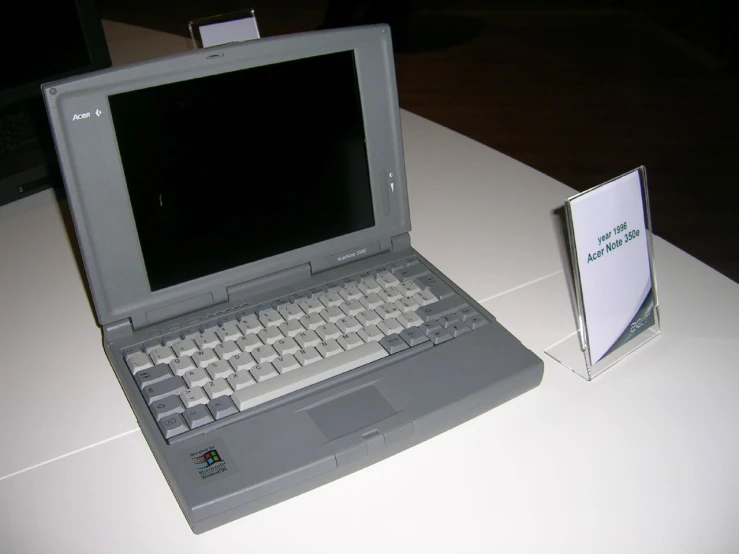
pixel 270 282
pixel 119 330
pixel 401 242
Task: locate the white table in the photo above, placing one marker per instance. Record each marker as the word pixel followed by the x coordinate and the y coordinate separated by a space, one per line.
pixel 643 459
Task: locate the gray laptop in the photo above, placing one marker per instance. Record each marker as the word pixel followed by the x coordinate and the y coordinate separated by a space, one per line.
pixel 243 218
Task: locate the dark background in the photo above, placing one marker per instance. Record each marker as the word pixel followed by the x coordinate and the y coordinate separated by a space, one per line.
pixel 582 90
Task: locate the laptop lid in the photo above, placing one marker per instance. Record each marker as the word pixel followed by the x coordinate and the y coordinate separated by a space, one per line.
pixel 191 175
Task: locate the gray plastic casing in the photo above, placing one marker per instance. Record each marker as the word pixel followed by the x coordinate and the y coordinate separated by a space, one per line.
pixel 282 448
pixel 98 196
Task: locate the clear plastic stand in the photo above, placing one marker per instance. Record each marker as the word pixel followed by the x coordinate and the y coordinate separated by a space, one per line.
pixel 216 30
pixel 576 352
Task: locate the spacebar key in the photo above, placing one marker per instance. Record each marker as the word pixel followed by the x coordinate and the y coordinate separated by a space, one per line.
pixel 305 376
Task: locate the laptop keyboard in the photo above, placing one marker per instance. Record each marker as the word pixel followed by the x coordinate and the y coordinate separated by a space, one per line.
pixel 252 356
pixel 16 131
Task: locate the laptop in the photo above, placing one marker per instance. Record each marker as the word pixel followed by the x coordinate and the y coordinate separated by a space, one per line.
pixel 243 218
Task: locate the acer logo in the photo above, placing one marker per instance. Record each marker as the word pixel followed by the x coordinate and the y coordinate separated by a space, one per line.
pixel 81 116
pixel 639 323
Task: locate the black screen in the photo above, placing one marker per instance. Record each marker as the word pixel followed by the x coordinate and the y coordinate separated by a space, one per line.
pixel 233 168
pixel 41 39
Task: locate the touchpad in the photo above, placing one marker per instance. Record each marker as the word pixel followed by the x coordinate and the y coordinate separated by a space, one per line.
pixel 351 412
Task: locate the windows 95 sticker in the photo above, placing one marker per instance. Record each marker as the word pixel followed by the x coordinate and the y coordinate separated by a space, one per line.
pixel 612 257
pixel 211 463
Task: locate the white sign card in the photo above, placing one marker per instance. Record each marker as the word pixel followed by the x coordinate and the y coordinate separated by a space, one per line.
pixel 611 250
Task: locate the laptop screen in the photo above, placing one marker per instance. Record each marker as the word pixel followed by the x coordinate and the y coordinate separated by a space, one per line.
pixel 237 167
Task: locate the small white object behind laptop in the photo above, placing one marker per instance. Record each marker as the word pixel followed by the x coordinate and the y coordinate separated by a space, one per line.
pixel 237 26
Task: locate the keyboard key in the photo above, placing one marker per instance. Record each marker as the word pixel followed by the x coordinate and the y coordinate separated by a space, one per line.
pixel 271 318
pixel 387 311
pixel 390 326
pixel 162 355
pixel 329 348
pixel 307 356
pixel 430 327
pixel 222 407
pixel 240 380
pixel 431 282
pixel 203 358
pixel 408 289
pixel 476 321
pixel 246 315
pixel 348 325
pixel 197 416
pixel 210 327
pixel 223 321
pixel 410 319
pixel 281 303
pixel 425 298
pixel 332 314
pixel 207 340
pixel 242 362
pixel 465 313
pixel 331 299
pixel 351 292
pixel 312 322
pixel 307 339
pixel 394 344
pixel 286 363
pixel 229 332
pixel 458 329
pixel 264 371
pixel 249 342
pixel 311 306
pixel 371 301
pixel 368 317
pixel 334 286
pixel 413 336
pixel 390 294
pixel 217 388
pixel 227 350
pixel 190 334
pixel 411 273
pixel 151 345
pixel 163 389
pixel 387 279
pixel 194 397
pixel 308 375
pixel 166 407
pixel 152 375
pixel 138 361
pixel 441 308
pixel 185 348
pixel 196 378
pixel 291 328
pixel 180 366
pixel 448 320
pixel 369 286
pixel 352 307
pixel 172 426
pixel 406 305
pixel 264 354
pixel 442 335
pixel 270 335
pixel 219 369
pixel 371 334
pixel 250 325
pixel 349 341
pixel 286 346
pixel 291 312
pixel 328 331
